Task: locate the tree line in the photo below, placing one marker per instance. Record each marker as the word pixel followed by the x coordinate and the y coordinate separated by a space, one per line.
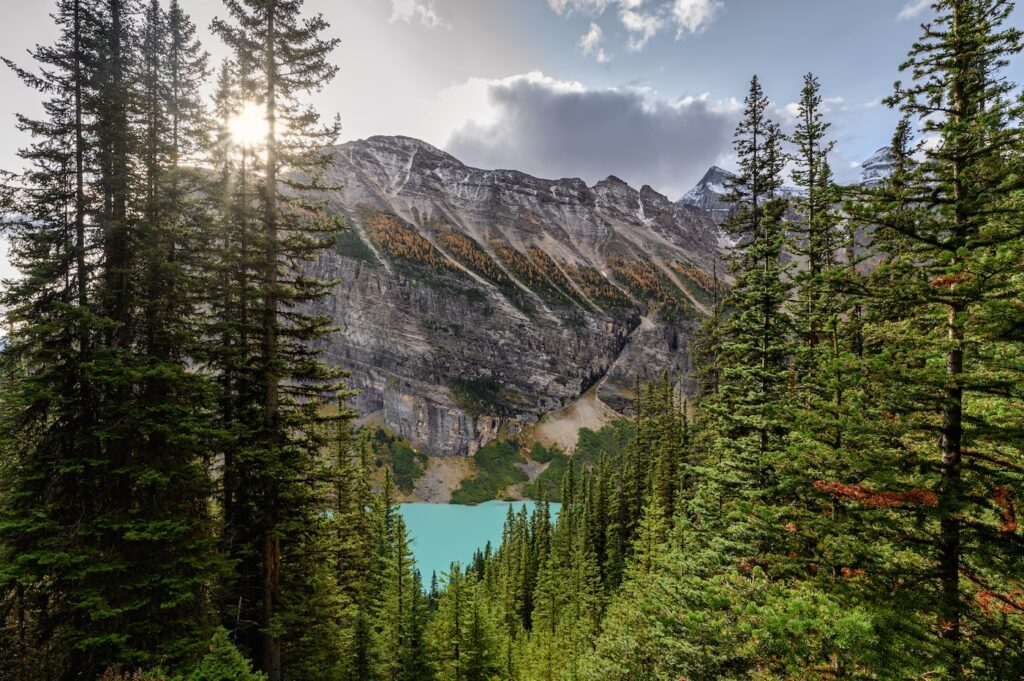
pixel 841 500
pixel 183 496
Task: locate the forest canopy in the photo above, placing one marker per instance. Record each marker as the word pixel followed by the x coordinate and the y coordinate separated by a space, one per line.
pixel 184 494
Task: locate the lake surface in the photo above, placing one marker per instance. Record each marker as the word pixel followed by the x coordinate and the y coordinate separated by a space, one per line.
pixel 445 533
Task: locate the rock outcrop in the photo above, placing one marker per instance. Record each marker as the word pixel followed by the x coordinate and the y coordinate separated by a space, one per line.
pixel 472 302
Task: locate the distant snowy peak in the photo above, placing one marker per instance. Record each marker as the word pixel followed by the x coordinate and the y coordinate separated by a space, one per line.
pixel 713 184
pixel 709 194
pixel 877 167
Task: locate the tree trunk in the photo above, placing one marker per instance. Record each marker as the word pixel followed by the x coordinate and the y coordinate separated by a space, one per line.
pixel 272 554
pixel 949 538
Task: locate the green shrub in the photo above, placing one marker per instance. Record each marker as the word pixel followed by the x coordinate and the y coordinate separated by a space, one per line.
pixel 550 479
pixel 495 470
pixel 542 454
pixel 610 441
pixel 407 465
pixel 349 244
pixel 224 662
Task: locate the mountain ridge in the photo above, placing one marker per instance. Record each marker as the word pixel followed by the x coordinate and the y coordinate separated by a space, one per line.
pixel 477 301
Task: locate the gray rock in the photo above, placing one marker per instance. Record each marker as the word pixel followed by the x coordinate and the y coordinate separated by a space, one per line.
pixel 421 333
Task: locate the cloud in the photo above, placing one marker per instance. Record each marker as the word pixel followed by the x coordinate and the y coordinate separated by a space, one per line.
pixel 582 6
pixel 644 19
pixel 421 11
pixel 555 128
pixel 590 44
pixel 693 16
pixel 642 27
pixel 790 113
pixel 913 9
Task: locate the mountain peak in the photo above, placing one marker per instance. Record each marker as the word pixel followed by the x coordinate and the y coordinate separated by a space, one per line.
pixel 451 270
pixel 877 167
pixel 717 172
pixel 399 141
pixel 710 192
pixel 613 180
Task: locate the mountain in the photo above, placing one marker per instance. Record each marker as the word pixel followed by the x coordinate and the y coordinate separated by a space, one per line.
pixel 709 194
pixel 877 167
pixel 472 303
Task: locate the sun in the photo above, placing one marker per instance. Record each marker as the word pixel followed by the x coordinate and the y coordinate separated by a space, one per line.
pixel 248 127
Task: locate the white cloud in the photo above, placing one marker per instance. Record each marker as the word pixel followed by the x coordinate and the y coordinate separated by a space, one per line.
pixel 421 11
pixel 834 104
pixel 693 16
pixel 592 39
pixel 584 6
pixel 641 26
pixel 913 9
pixel 590 44
pixel 791 112
pixel 644 19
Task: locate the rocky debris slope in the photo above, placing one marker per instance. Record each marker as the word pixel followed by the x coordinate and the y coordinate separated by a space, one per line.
pixel 472 302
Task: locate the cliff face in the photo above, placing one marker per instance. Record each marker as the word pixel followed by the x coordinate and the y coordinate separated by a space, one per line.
pixel 474 301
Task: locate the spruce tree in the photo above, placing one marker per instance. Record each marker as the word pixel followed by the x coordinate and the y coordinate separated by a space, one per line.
pixel 115 448
pixel 463 632
pixel 282 56
pixel 49 422
pixel 814 235
pixel 401 612
pixel 757 143
pixel 953 224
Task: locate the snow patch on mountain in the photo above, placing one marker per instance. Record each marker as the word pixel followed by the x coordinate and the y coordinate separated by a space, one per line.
pixel 877 168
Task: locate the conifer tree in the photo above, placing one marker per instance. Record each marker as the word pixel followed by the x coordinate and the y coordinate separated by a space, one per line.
pixel 757 143
pixel 49 421
pixel 401 612
pixel 953 222
pixel 127 461
pixel 463 632
pixel 815 232
pixel 283 56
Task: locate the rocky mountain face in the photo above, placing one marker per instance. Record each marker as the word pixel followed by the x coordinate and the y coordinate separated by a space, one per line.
pixel 709 194
pixel 877 168
pixel 474 302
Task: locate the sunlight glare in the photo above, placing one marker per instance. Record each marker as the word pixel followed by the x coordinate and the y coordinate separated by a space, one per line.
pixel 248 127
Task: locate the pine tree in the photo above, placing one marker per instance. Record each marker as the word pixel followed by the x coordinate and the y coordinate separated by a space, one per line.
pixel 463 632
pixel 815 235
pixel 232 324
pixel 49 422
pixel 118 453
pixel 953 222
pixel 401 612
pixel 760 158
pixel 282 56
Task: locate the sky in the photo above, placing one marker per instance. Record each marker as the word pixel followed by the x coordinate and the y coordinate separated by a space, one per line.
pixel 647 90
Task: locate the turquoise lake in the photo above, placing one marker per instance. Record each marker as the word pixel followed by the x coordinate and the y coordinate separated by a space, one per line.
pixel 446 533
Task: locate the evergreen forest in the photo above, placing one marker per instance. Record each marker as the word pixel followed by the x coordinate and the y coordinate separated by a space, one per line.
pixel 184 494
